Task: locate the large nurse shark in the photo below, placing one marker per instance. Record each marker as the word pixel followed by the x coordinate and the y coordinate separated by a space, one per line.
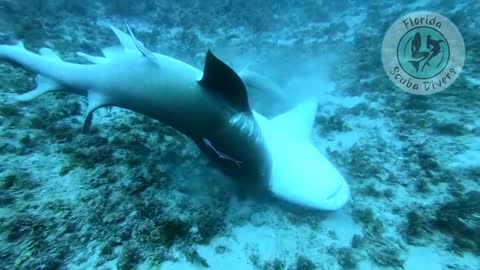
pixel 210 107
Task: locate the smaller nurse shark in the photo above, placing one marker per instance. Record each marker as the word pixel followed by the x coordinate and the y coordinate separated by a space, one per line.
pixel 209 107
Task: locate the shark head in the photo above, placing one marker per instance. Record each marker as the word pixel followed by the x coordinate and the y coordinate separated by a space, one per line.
pixel 300 173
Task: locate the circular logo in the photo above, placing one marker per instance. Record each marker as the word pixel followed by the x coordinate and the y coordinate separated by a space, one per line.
pixel 423 53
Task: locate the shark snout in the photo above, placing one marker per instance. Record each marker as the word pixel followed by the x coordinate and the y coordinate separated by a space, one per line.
pixel 337 198
pixel 334 193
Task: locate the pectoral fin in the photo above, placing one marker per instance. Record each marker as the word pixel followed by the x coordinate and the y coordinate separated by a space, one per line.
pixel 298 121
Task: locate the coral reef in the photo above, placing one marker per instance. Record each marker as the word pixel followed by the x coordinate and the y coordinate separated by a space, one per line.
pixel 460 218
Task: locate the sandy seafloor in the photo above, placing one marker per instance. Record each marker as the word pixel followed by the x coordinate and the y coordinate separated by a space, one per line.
pixel 135 194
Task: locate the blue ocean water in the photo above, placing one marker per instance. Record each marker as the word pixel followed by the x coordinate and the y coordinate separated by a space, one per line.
pixel 239 134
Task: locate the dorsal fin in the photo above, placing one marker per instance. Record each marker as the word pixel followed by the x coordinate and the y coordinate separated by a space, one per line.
pixel 221 80
pixel 112 52
pixel 147 53
pixel 299 120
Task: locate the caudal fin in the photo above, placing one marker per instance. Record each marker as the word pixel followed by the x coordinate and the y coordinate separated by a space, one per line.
pixel 18 54
pixel 44 85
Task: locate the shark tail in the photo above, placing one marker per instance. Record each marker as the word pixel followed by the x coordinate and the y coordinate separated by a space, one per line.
pixel 53 74
pixel 16 54
pixel 415 63
pixel 44 85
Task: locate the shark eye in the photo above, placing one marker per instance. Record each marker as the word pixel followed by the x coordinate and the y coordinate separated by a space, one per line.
pixel 235 119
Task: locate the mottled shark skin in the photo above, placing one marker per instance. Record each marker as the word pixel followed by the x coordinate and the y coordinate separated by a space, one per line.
pixel 210 107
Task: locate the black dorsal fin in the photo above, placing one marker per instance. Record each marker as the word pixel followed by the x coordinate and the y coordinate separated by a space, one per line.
pixel 222 80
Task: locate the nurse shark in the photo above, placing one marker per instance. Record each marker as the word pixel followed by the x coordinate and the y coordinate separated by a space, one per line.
pixel 210 107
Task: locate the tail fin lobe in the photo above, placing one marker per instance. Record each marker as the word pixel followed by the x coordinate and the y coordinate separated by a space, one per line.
pixel 44 85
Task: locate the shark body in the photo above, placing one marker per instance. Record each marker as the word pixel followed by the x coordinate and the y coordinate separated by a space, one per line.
pixel 210 107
